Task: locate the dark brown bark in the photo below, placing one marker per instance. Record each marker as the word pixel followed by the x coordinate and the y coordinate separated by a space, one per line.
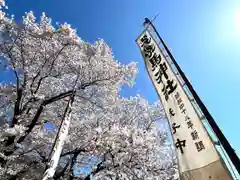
pixel 17 107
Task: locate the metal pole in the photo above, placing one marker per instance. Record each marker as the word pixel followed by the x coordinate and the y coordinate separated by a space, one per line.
pixel 226 145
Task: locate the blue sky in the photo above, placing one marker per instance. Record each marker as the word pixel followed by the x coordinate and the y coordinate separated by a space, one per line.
pixel 204 37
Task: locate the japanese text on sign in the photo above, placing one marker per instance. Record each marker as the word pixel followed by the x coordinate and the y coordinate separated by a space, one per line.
pixel 189 135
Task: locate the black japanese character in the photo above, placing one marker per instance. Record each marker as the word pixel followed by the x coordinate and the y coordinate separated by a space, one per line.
pixel 190 124
pixel 155 60
pixel 177 95
pixel 175 126
pixel 168 89
pixel 145 40
pixel 171 88
pixel 162 71
pixel 181 106
pixel 200 146
pixel 180 144
pixel 187 118
pixel 179 101
pixel 184 111
pixel 164 90
pixel 148 50
pixel 171 112
pixel 194 135
pixel 164 68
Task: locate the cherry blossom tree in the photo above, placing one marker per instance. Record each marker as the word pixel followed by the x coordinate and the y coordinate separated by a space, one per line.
pixel 51 64
pixel 122 143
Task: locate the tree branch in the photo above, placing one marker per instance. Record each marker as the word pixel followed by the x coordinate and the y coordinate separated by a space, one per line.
pixel 75 151
pixel 18 90
pixel 39 111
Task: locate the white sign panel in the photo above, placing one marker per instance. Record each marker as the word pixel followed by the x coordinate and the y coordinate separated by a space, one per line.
pixel 193 145
pixel 57 150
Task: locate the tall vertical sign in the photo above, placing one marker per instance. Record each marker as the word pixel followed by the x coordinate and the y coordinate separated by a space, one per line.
pixel 197 156
pixel 60 139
